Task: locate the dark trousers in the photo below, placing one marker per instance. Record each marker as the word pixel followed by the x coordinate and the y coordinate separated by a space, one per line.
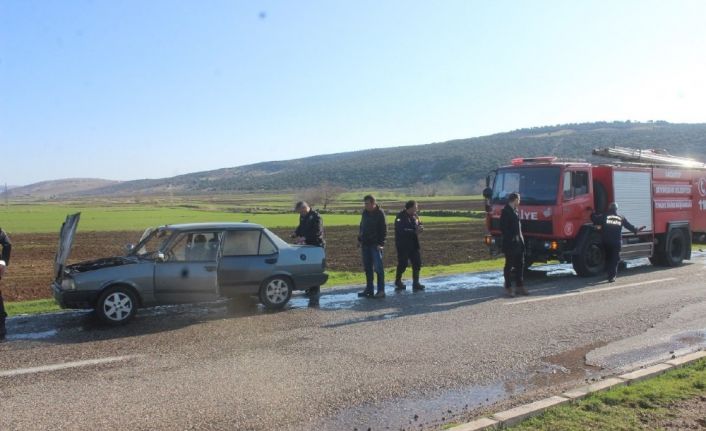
pixel 372 262
pixel 612 259
pixel 514 260
pixel 3 314
pixel 404 257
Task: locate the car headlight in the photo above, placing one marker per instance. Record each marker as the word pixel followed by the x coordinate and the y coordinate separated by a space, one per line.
pixel 68 284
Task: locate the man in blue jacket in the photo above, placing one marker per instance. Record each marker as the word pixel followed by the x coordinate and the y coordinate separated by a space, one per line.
pixel 612 225
pixel 371 239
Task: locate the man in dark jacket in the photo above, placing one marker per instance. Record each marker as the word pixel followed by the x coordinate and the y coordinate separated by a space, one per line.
pixel 4 261
pixel 513 245
pixel 310 232
pixel 371 239
pixel 611 225
pixel 407 230
pixel 311 227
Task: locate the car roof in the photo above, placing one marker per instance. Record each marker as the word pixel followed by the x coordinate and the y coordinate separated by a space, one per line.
pixel 212 225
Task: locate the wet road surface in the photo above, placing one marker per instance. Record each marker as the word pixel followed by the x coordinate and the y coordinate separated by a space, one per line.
pixel 414 360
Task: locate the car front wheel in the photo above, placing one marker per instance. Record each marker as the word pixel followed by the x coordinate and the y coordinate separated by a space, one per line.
pixel 275 292
pixel 116 306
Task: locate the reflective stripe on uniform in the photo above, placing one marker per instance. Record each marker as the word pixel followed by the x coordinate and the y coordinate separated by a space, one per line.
pixel 614 220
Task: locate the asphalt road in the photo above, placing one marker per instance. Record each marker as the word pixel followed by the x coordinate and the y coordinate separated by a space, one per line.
pixel 410 361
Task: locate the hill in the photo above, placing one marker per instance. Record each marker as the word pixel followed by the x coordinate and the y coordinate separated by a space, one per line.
pixel 457 166
pixel 50 189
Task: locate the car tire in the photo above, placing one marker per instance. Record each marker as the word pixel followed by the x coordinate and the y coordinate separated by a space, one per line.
pixel 275 292
pixel 116 305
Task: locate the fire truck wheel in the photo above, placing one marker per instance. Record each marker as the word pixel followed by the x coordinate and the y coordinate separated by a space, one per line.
pixel 676 247
pixel 591 259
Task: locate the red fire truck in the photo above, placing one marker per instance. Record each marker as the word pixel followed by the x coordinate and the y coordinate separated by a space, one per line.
pixel 664 193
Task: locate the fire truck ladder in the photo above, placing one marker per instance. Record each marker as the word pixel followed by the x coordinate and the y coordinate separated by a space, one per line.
pixel 648 157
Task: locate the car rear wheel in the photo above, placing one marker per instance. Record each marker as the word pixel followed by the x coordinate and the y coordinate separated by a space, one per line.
pixel 276 292
pixel 116 306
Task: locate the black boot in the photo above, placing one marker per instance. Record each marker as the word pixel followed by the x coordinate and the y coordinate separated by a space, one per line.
pixel 399 285
pixel 416 285
pixel 3 330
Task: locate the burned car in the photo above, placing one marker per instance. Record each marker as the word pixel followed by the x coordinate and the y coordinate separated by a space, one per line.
pixel 184 263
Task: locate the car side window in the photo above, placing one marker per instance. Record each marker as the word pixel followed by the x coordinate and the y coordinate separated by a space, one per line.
pixel 266 246
pixel 241 243
pixel 194 247
pixel 248 243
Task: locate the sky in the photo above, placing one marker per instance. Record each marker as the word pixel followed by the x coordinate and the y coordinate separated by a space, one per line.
pixel 148 89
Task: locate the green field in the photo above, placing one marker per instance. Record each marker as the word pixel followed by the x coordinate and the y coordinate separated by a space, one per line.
pixel 36 218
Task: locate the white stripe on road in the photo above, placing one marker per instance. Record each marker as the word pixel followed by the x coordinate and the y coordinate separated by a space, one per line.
pixel 585 292
pixel 65 365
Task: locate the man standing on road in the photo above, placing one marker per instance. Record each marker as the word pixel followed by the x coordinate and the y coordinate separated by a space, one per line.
pixel 310 232
pixel 6 248
pixel 513 245
pixel 612 226
pixel 371 239
pixel 407 230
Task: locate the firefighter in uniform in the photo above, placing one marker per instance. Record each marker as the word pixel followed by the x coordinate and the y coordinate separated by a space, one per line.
pixel 310 232
pixel 611 225
pixel 4 261
pixel 513 245
pixel 407 230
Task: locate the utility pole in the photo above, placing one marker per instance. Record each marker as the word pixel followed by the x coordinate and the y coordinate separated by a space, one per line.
pixel 7 197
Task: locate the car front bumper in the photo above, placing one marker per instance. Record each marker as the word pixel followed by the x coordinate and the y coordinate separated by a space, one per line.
pixel 73 298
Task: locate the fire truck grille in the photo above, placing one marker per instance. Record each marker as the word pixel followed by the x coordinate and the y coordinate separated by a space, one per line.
pixel 537 226
pixel 528 226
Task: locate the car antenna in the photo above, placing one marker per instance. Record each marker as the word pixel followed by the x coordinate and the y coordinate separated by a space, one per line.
pixel 245 221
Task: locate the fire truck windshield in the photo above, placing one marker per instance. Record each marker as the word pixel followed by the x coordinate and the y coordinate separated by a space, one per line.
pixel 536 185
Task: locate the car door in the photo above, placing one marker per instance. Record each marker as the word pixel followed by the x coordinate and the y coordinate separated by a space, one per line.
pixel 248 257
pixel 188 271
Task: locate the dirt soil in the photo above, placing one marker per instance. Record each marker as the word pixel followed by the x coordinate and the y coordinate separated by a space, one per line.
pixel 685 415
pixel 29 275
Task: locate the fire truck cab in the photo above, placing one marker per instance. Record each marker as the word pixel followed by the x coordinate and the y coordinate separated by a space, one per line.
pixel 665 194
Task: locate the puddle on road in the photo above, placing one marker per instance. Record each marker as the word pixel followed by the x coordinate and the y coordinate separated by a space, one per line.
pixel 33 335
pixel 419 411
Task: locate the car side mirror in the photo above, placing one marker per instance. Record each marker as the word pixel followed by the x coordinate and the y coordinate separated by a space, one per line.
pixel 160 257
pixel 487 193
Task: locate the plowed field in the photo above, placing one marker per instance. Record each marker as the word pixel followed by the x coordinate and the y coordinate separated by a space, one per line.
pixel 30 273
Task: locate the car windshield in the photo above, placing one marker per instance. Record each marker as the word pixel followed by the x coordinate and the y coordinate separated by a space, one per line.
pixel 152 243
pixel 536 185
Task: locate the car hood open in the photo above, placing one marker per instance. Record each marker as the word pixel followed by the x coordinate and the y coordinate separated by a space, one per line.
pixel 66 239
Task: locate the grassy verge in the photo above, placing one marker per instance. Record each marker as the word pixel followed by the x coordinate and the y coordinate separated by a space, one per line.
pixel 638 406
pixel 31 307
pixel 336 278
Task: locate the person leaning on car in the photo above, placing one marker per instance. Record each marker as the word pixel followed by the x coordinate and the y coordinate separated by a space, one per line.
pixel 310 232
pixel 311 227
pixel 371 239
pixel 6 248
